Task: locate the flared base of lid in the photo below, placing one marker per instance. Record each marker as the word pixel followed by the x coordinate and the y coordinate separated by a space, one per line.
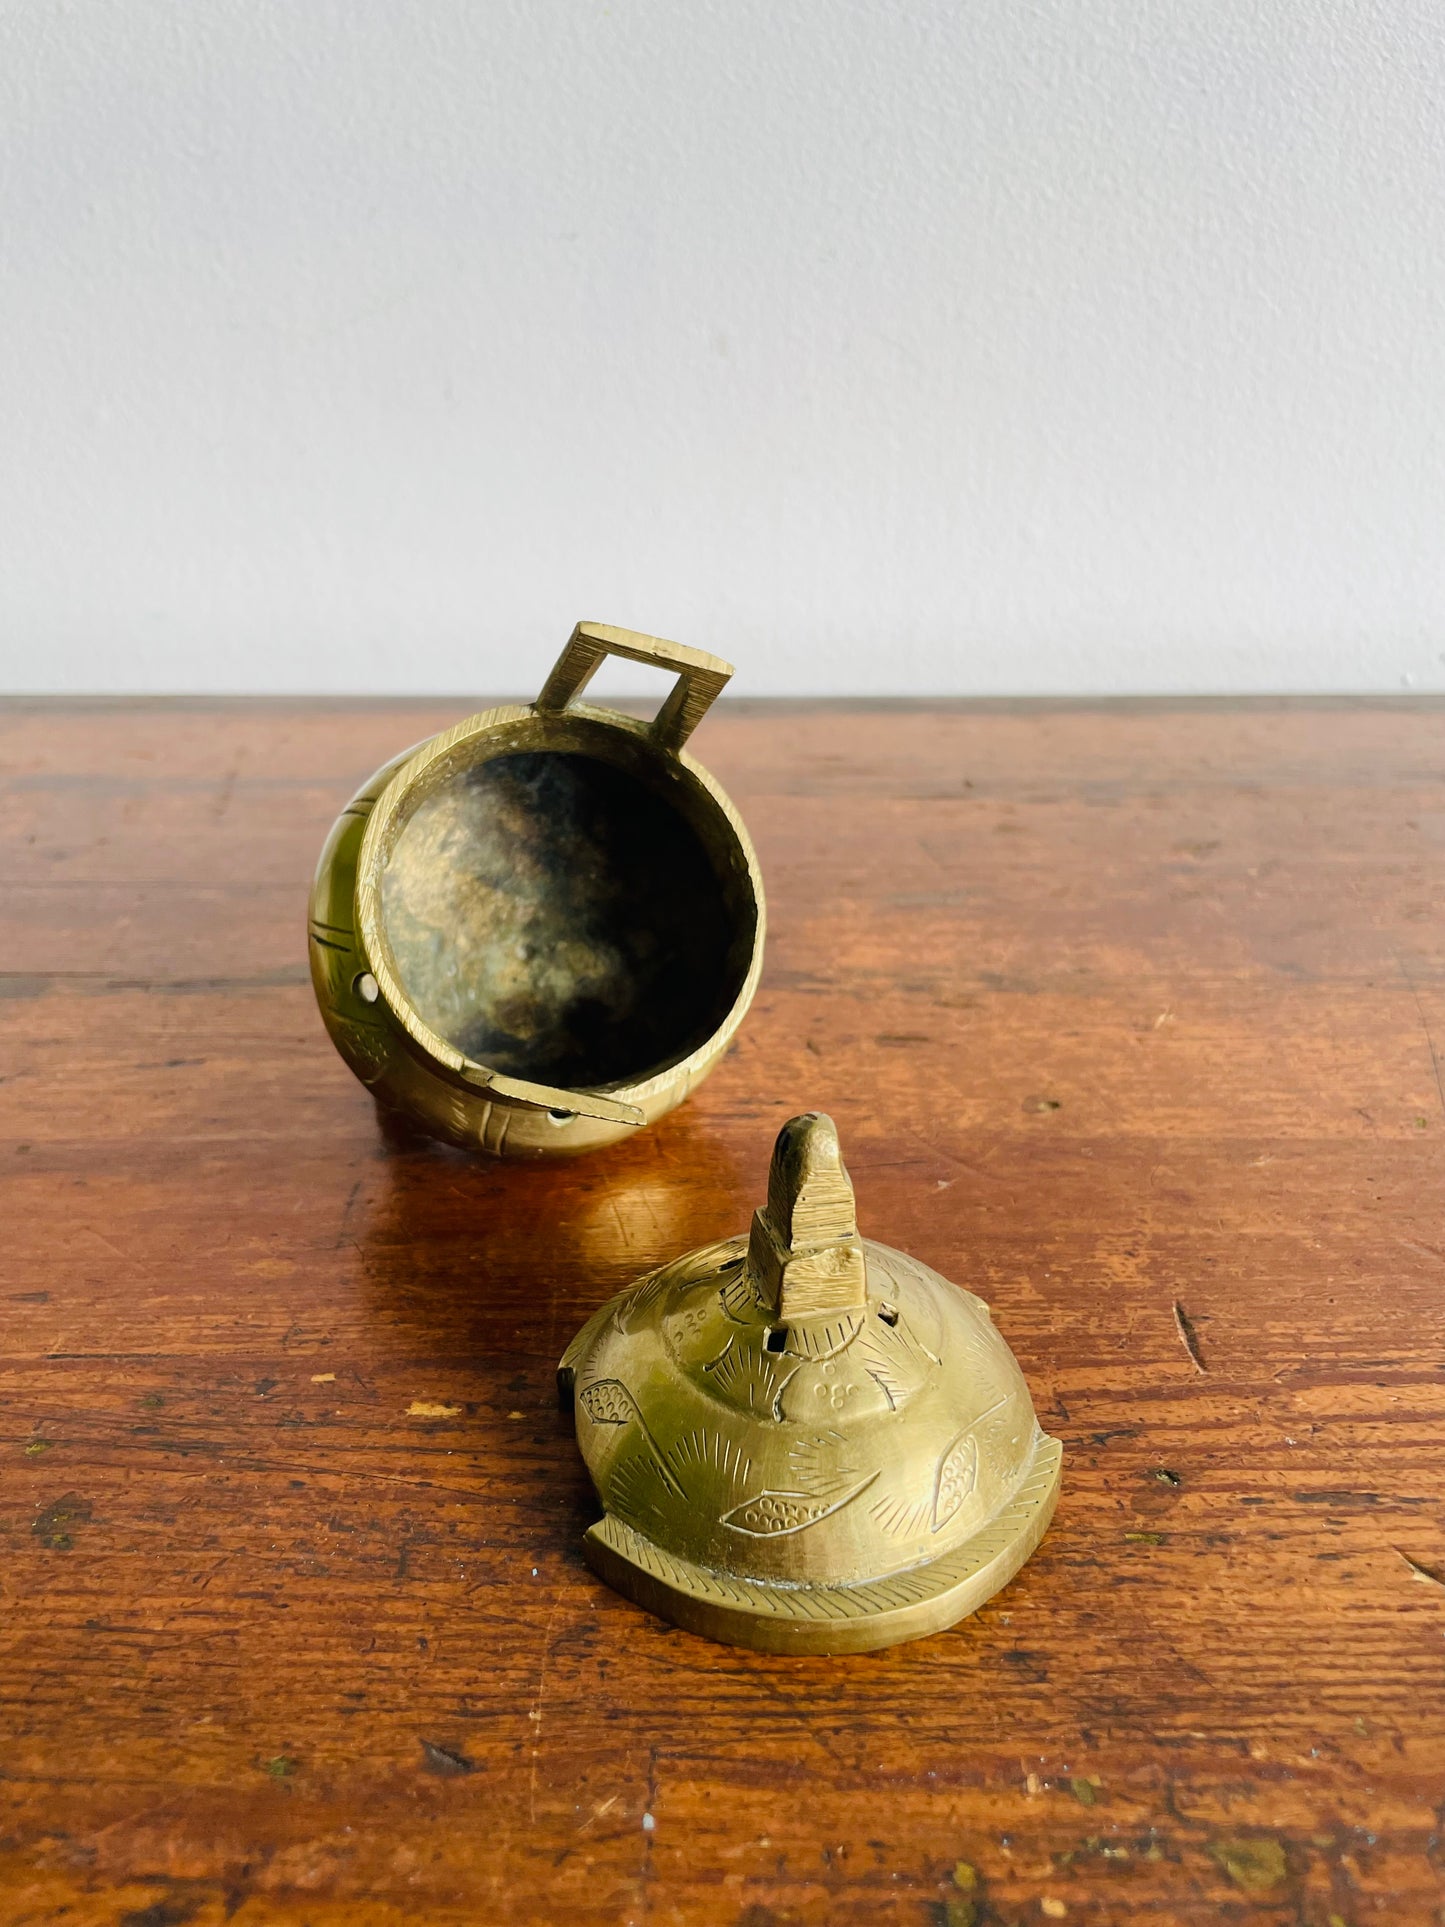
pixel 856 1618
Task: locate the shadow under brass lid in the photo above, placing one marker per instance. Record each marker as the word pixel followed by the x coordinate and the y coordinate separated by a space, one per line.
pixel 540 929
pixel 804 1441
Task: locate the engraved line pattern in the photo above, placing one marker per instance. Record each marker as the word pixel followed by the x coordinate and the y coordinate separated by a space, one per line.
pixel 957 1474
pixel 748 1375
pixel 580 1348
pixel 634 1304
pixel 914 1291
pixel 365 1045
pixel 772 1515
pixel 705 1448
pixel 898 1518
pixel 955 1479
pixel 739 1296
pixel 777 1411
pixel 824 1341
pixel 895 1360
pixel 607 1401
pixel 818 1465
pixel 847 1602
pixel 632 1488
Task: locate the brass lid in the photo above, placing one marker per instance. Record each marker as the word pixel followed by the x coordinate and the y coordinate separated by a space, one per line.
pixel 805 1441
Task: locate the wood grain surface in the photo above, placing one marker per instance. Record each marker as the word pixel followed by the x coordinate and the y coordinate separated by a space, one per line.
pixel 1131 1019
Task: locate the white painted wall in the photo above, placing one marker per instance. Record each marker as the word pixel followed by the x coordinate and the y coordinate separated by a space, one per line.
pixel 958 345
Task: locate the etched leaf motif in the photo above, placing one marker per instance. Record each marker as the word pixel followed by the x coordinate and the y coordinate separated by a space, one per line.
pixel 957 1471
pixel 896 1360
pixel 366 1047
pixel 767 1514
pixel 819 1462
pixel 607 1402
pixel 635 1493
pixel 751 1378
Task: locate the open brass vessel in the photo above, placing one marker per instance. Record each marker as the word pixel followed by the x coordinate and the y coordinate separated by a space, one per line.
pixel 540 929
pixel 803 1441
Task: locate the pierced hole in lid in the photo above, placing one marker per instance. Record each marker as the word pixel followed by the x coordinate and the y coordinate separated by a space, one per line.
pixel 889 1314
pixel 560 1117
pixel 366 987
pixel 777 1338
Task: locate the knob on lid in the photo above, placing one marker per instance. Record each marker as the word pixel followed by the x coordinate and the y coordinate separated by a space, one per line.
pixel 804 1251
pixel 805 1441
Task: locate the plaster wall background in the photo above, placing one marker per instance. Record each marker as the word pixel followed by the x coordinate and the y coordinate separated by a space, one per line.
pixel 950 346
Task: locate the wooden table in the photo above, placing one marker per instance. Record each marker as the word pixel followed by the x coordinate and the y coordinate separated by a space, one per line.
pixel 1131 1016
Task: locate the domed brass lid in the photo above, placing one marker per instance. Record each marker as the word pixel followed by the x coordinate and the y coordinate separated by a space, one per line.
pixel 804 1441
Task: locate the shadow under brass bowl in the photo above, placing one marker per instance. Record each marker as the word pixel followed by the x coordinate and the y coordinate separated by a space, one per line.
pixel 540 929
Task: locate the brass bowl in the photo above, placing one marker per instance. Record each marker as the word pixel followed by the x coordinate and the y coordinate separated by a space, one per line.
pixel 540 929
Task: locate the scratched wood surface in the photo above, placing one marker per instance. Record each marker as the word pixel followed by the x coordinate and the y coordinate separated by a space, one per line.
pixel 1119 1009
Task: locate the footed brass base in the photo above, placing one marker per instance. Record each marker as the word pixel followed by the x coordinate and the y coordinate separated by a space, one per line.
pixel 860 1618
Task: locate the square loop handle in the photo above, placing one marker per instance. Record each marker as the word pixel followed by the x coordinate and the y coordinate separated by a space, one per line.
pixel 700 677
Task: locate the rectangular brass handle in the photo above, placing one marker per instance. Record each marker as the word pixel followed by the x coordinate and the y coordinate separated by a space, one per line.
pixel 700 677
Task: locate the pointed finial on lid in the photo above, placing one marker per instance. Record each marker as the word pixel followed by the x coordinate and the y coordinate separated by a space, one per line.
pixel 804 1250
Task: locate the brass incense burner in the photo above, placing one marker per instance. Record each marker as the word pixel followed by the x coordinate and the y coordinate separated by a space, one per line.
pixel 804 1441
pixel 540 929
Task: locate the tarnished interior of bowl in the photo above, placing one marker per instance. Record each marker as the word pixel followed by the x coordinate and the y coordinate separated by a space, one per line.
pixel 558 917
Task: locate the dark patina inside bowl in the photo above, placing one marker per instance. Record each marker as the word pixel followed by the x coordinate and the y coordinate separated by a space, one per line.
pixel 559 918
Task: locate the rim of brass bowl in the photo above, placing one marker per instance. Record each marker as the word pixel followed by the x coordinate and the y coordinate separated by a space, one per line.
pixel 511 728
